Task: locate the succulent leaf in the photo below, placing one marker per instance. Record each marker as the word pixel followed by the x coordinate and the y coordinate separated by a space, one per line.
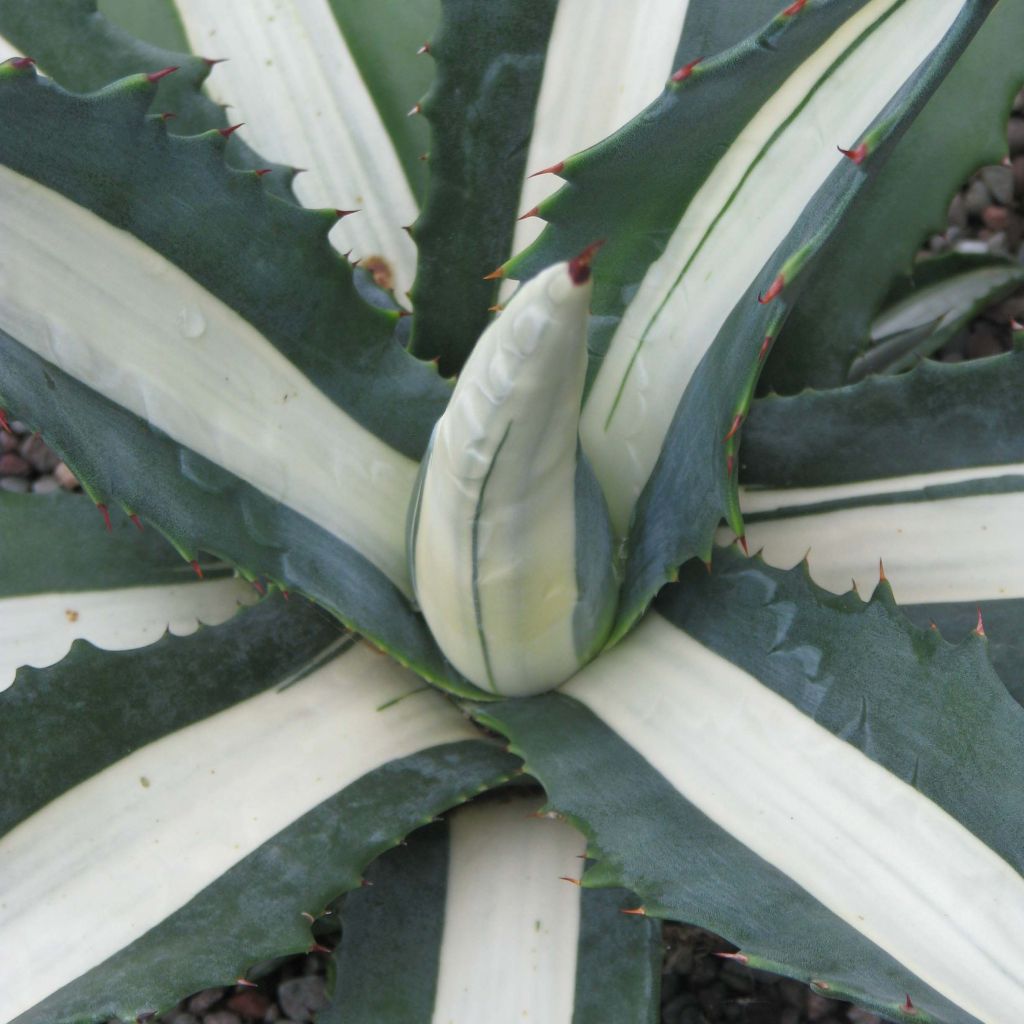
pixel 511 549
pixel 475 914
pixel 962 127
pixel 293 79
pixel 682 364
pixel 65 579
pixel 931 481
pixel 83 50
pixel 313 754
pixel 632 45
pixel 929 308
pixel 199 349
pixel 862 776
pixel 489 58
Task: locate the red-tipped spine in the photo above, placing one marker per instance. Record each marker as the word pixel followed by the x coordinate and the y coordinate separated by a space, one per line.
pixel 553 169
pixel 137 521
pixel 105 512
pixel 342 214
pixel 535 212
pixel 737 422
pixel 425 48
pixel 155 76
pixel 765 346
pixel 794 8
pixel 229 131
pixel 494 275
pixel 686 70
pixel 197 568
pixel 5 423
pixel 743 544
pixel 774 291
pixel 636 912
pixel 579 268
pixel 858 154
pixel 979 629
pixel 22 62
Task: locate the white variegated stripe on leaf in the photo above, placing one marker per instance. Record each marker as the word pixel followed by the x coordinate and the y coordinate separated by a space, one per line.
pixel 94 300
pixel 291 78
pixel 155 850
pixel 870 847
pixel 511 549
pixel 766 178
pixel 511 928
pixel 8 49
pixel 38 629
pixel 939 548
pixel 605 62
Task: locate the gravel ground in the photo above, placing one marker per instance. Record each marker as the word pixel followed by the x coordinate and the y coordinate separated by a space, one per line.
pixel 697 986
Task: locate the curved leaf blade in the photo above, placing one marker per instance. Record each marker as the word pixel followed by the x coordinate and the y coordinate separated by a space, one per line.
pixel 931 483
pixel 871 795
pixel 480 913
pixel 962 127
pixel 64 579
pixel 305 757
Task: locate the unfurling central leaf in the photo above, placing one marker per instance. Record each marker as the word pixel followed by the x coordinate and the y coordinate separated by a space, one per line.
pixel 510 544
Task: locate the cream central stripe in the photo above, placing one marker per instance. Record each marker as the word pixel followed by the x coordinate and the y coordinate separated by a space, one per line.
pixel 633 45
pixel 128 323
pixel 292 80
pixel 511 926
pixel 674 319
pixel 874 851
pixel 38 630
pixel 121 852
pixel 955 549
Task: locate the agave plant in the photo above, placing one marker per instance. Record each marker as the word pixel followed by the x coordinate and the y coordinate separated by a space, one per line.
pixel 411 573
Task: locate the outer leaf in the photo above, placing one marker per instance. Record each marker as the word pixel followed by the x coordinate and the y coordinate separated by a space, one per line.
pixel 962 127
pixel 84 51
pixel 473 922
pixel 320 411
pixel 113 828
pixel 632 45
pixel 292 77
pixel 63 579
pixel 490 57
pixel 683 362
pixel 926 311
pixel 834 790
pixel 931 480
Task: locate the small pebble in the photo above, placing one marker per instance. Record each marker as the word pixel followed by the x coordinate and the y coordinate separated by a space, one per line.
pixel 977 198
pixel 249 1003
pixel 45 485
pixel 35 451
pixel 999 182
pixel 300 998
pixel 65 477
pixel 818 1008
pixel 13 464
pixel 996 217
pixel 203 1001
pixel 14 484
pixel 222 1017
pixel 858 1016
